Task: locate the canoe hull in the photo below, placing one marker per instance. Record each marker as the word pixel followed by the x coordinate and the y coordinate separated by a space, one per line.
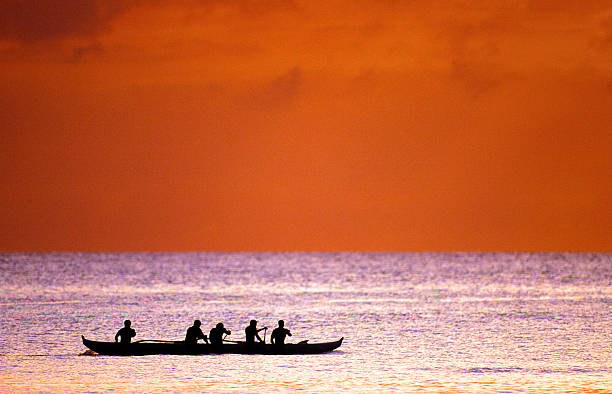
pixel 181 348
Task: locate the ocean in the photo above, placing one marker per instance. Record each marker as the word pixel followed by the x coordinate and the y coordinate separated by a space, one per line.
pixel 411 322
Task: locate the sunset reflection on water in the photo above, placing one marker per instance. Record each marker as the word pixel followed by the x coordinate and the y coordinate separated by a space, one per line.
pixel 411 322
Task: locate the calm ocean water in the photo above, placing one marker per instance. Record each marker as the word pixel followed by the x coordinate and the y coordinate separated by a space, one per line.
pixel 427 322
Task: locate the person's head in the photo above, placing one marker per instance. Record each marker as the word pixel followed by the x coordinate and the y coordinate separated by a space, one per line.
pixel 253 323
pixel 219 325
pixel 127 323
pixel 281 323
pixel 197 323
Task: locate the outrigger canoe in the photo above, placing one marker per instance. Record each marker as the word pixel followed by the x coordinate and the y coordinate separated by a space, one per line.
pixel 148 347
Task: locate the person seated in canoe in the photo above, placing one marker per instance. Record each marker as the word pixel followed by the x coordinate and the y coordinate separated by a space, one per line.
pixel 126 333
pixel 252 332
pixel 216 334
pixel 279 334
pixel 194 333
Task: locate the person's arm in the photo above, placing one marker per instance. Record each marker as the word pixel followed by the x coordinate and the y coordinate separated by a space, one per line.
pixel 117 335
pixel 273 337
pixel 133 333
pixel 288 332
pixel 258 337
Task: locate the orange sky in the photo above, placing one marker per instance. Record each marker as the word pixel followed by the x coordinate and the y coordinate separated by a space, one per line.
pixel 305 125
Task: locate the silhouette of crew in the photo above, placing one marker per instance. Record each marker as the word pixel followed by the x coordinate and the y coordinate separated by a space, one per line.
pixel 126 333
pixel 194 333
pixel 252 332
pixel 216 334
pixel 279 334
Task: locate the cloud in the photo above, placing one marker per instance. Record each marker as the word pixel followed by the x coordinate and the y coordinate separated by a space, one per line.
pixel 474 52
pixel 249 6
pixel 32 21
pixel 605 39
pixel 82 51
pixel 278 92
pixel 566 7
pixel 475 77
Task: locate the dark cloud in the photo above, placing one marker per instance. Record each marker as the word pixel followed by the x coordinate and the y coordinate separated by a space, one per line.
pixel 474 52
pixel 477 79
pixel 258 7
pixel 32 21
pixel 606 36
pixel 570 8
pixel 249 6
pixel 278 92
pixel 81 52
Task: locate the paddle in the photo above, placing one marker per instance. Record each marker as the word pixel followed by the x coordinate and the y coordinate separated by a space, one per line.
pixel 227 340
pixel 232 341
pixel 155 340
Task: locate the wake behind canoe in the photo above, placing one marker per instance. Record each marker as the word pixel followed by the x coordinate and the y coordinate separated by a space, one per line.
pixel 181 348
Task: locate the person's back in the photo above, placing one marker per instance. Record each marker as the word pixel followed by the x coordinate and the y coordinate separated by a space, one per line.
pixel 279 334
pixel 216 334
pixel 194 333
pixel 252 332
pixel 126 333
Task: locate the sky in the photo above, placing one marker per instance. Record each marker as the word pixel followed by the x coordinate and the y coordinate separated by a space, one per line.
pixel 342 125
